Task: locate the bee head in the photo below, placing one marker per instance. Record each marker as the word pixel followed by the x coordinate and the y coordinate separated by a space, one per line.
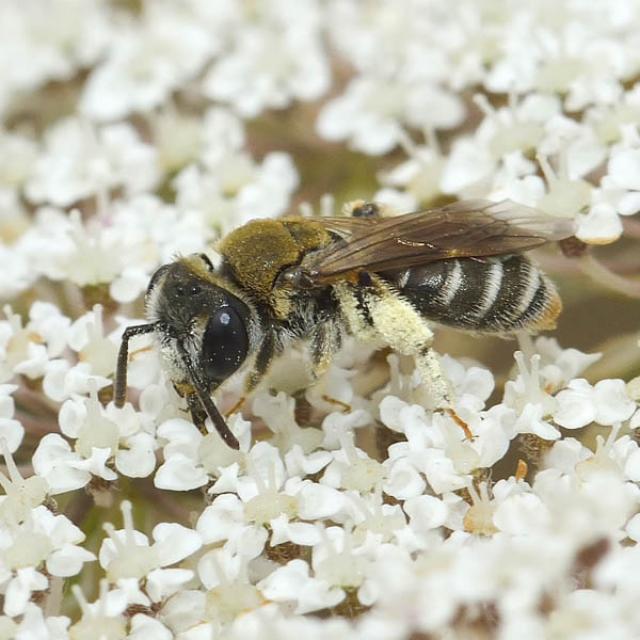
pixel 205 333
pixel 193 311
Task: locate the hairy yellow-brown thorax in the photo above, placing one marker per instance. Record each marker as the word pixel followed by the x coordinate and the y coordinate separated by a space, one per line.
pixel 258 251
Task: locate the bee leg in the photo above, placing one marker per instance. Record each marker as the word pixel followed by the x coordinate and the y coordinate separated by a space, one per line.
pixel 198 414
pixel 266 352
pixel 404 329
pixel 236 407
pixel 428 364
pixel 325 343
pixel 431 371
pixel 461 423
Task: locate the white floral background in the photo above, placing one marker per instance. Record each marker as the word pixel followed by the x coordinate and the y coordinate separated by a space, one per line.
pixel 136 130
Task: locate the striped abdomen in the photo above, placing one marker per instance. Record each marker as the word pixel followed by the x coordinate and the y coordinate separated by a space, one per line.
pixel 498 295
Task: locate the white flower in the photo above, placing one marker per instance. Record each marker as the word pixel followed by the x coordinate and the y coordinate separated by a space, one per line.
pixel 334 385
pixel 17 276
pixel 126 553
pixel 577 146
pixel 606 403
pixel 292 583
pixel 263 67
pixel 17 156
pixel 353 469
pixel 27 349
pixel 34 623
pixel 62 380
pixel 52 43
pixel 423 451
pixel 420 176
pixel 104 614
pixel 178 471
pixel 558 365
pixel 373 110
pixel 182 139
pixel 19 590
pixel 144 627
pixel 616 196
pixel 86 336
pixel 222 520
pixel 118 429
pixel 128 434
pixel 426 512
pixel 189 456
pixel 143 233
pixel 527 395
pixel 133 133
pixel 95 161
pixel 11 431
pixel 600 225
pixel 302 533
pixel 468 165
pixel 66 557
pixel 65 470
pixel 234 188
pixel 21 495
pixel 278 414
pixel 229 591
pixel 521 514
pixel 319 502
pixel 147 60
pixel 41 540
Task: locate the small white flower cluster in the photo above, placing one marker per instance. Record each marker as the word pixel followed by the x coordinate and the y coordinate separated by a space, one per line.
pixel 412 537
pixel 133 230
pixel 134 131
pixel 565 70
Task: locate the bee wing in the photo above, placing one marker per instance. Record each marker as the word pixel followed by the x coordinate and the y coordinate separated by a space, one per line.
pixel 471 228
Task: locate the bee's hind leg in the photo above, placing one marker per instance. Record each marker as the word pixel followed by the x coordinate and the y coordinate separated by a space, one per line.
pixel 380 313
pixel 430 368
pixel 400 325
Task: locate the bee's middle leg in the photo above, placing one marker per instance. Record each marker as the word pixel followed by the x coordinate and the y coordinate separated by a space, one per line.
pixel 326 340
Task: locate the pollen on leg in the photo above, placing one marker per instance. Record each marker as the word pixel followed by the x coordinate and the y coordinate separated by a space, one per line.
pixel 434 378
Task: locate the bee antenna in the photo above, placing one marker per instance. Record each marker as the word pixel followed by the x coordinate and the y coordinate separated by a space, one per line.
pixel 207 402
pixel 120 381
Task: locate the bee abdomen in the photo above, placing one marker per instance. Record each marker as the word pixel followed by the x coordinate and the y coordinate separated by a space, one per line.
pixel 494 295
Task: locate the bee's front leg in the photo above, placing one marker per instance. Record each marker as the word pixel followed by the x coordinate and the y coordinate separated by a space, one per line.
pixel 198 414
pixel 266 352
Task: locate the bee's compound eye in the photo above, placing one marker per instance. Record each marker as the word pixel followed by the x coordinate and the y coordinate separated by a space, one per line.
pixel 224 345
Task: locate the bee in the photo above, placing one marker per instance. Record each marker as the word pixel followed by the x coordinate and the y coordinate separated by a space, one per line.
pixel 379 278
